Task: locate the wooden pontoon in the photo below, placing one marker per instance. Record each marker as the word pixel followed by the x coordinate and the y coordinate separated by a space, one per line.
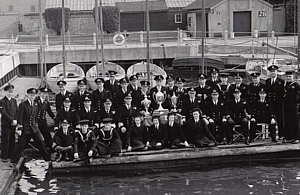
pixel 167 159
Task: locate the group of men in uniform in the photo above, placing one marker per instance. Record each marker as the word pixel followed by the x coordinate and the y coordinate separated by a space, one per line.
pixel 209 112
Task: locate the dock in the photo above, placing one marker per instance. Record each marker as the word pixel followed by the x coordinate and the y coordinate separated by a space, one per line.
pixel 174 159
pixel 8 174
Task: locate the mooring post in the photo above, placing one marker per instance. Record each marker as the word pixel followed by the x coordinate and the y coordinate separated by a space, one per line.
pixel 273 37
pixel 225 37
pixel 46 40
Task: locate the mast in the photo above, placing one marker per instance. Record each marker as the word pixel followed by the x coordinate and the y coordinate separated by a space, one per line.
pixel 63 38
pixel 298 17
pixel 203 32
pixel 97 34
pixel 101 37
pixel 41 56
pixel 148 40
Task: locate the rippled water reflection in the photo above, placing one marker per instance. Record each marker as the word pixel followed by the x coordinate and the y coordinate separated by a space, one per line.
pixel 248 179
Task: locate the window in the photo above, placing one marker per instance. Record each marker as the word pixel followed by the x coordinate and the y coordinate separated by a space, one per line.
pixel 10 8
pixel 178 18
pixel 32 8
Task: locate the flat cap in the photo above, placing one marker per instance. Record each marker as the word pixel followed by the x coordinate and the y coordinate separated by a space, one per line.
pixel 191 90
pixel 112 72
pixel 44 89
pixel 107 120
pixel 128 96
pixel 123 80
pixel 99 80
pixel 32 91
pixel 158 78
pixel 67 121
pixel 170 78
pixel 224 74
pixel 236 90
pixel 9 87
pixel 255 74
pixel 214 92
pixel 214 70
pixel 59 83
pixel 180 80
pixel 87 98
pixel 238 75
pixel 262 91
pixel 107 101
pixel 273 67
pixel 81 82
pixel 84 121
pixel 133 77
pixel 145 83
pixel 66 99
pixel 202 76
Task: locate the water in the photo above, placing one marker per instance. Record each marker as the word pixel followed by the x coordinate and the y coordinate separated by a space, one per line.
pixel 283 178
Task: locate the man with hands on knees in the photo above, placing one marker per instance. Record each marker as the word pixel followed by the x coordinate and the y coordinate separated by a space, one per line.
pixel 84 143
pixel 262 112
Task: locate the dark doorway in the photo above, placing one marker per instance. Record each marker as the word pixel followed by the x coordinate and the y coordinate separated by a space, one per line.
pixel 242 23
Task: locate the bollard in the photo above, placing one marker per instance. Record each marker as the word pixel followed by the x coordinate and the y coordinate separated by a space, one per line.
pixel 94 39
pixel 232 35
pixel 141 38
pixel 273 37
pixel 180 36
pixel 46 40
pixel 255 34
pixel 225 37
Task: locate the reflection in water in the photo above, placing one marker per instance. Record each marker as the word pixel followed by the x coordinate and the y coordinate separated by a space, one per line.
pixel 249 179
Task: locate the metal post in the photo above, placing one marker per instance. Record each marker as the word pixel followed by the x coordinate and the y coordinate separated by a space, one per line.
pixel 148 40
pixel 46 40
pixel 41 42
pixel 63 37
pixel 96 36
pixel 298 51
pixel 225 37
pixel 141 38
pixel 203 33
pixel 102 44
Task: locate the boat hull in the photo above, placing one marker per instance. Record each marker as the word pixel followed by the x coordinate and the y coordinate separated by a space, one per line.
pixel 195 63
pixel 73 74
pixel 141 69
pixel 91 74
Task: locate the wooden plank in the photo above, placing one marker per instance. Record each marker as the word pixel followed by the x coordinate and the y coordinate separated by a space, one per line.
pixel 8 174
pixel 181 158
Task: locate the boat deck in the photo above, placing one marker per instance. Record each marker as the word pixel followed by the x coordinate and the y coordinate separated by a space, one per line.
pixel 172 159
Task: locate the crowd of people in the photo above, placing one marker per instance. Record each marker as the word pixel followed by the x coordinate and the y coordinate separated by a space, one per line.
pixel 125 115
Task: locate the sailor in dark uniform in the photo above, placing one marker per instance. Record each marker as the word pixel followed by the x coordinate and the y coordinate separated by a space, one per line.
pixel 137 135
pixel 262 112
pixel 112 84
pixel 275 92
pixel 190 103
pixel 67 113
pixel 203 91
pixel 134 88
pixel 125 117
pixel 27 120
pixel 214 112
pixel 9 110
pixel 79 95
pixel 290 109
pixel 63 140
pixel 237 112
pixel 85 143
pixel 100 94
pixel 254 88
pixel 108 112
pixel 176 137
pixel 44 108
pixel 159 87
pixel 61 95
pixel 157 135
pixel 119 99
pixel 239 85
pixel 197 132
pixel 108 140
pixel 87 112
pixel 181 91
pixel 223 87
pixel 214 80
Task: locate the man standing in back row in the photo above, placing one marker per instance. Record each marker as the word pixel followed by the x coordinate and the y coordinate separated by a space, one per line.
pixel 8 109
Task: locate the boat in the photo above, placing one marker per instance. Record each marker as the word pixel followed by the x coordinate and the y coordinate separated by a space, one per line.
pixel 261 65
pixel 140 69
pixel 176 159
pixel 73 74
pixel 91 74
pixel 194 63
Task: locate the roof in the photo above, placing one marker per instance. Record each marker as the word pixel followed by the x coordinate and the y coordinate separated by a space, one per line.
pixel 141 6
pixel 78 5
pixel 197 5
pixel 178 3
